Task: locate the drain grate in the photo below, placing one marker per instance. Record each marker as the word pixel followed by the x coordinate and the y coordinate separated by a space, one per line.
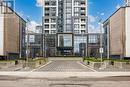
pixel 69 85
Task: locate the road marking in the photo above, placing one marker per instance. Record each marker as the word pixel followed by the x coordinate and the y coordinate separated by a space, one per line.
pixel 41 66
pixel 86 66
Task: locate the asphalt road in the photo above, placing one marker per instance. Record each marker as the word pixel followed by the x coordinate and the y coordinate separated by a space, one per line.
pixel 7 81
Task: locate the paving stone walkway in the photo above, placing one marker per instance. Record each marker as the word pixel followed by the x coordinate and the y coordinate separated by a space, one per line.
pixel 64 66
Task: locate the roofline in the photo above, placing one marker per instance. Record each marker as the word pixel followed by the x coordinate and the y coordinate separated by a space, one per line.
pixel 15 13
pixel 114 13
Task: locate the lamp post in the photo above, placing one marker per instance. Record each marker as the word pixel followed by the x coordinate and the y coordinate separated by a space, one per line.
pixel 101 40
pixel 27 43
pixel 45 42
pixel 108 44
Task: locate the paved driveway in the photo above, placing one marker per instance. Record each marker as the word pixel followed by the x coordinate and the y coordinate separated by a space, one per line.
pixel 64 66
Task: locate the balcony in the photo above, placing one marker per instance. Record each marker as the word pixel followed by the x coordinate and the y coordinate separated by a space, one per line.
pixel 46 14
pixel 83 14
pixel 82 20
pixel 47 3
pixel 83 3
pixel 46 20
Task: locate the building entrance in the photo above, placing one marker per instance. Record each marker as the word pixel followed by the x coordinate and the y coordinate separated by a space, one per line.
pixel 64 51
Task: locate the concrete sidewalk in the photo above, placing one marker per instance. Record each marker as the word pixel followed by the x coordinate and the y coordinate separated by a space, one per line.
pixel 64 74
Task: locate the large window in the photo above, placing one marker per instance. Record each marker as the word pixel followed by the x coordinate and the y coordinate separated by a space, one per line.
pixel 93 38
pixel 65 40
pixel 77 41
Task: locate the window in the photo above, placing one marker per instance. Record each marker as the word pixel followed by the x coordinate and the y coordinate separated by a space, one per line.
pixel 76 14
pixel 68 21
pixel 46 20
pixel 68 4
pixel 53 3
pixel 47 26
pixel 83 26
pixel 68 27
pixel 64 40
pixel 76 20
pixel 53 20
pixel 82 31
pixel 83 20
pixel 82 2
pixel 76 9
pixel 76 26
pixel 47 31
pixel 76 3
pixel 68 15
pixel 53 31
pixel 53 14
pixel 93 39
pixel 68 10
pixel 82 9
pixel 82 14
pixel 46 14
pixel 46 9
pixel 53 9
pixel 53 26
pixel 47 3
pixel 76 31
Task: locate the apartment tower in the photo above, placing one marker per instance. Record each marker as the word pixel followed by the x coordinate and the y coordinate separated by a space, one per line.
pixel 127 2
pixel 65 27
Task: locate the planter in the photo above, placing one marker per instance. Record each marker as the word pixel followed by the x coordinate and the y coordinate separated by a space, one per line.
pixel 86 62
pixel 122 64
pixel 92 64
pixel 6 64
pixel 35 64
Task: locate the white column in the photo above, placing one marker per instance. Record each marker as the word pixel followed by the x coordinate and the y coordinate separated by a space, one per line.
pixel 57 8
pixel 72 8
pixel 1 34
pixel 127 32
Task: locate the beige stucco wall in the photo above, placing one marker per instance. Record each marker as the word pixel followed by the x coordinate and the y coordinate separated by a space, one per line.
pixel 11 33
pixel 117 33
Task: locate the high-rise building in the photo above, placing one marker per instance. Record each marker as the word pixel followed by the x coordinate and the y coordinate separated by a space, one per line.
pixel 127 2
pixel 66 21
pixel 117 33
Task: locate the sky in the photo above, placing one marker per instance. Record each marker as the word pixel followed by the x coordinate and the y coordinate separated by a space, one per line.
pixel 97 9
